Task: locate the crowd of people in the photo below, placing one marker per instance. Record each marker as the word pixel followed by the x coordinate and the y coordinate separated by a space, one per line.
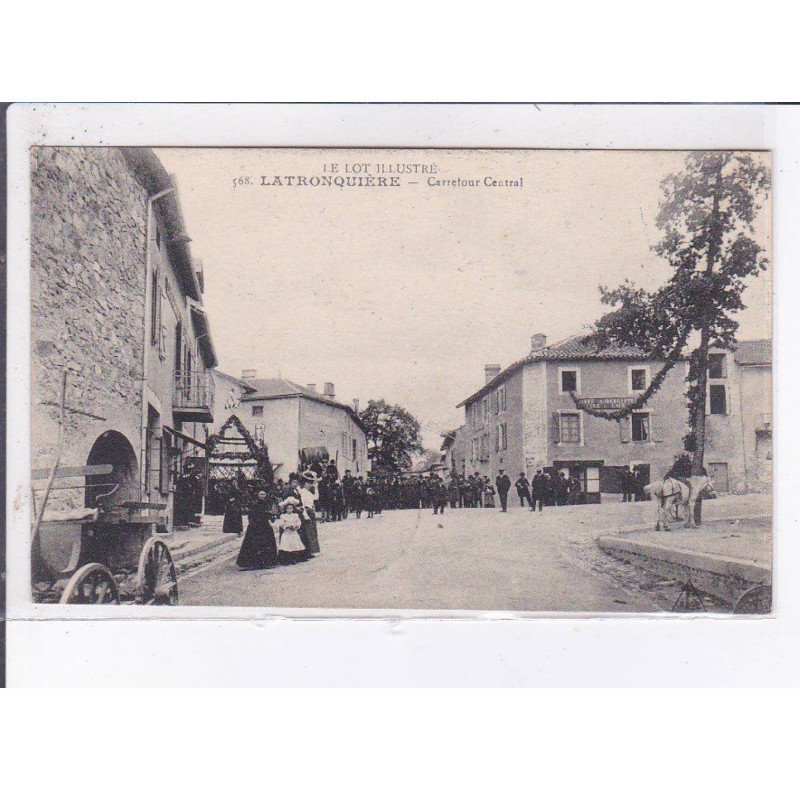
pixel 283 516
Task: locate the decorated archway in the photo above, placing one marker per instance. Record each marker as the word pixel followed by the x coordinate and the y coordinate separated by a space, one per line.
pixel 236 461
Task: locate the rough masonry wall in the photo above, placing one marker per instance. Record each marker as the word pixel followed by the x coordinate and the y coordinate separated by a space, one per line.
pixel 87 300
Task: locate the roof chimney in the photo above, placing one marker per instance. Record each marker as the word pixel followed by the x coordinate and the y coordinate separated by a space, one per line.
pixel 312 387
pixel 491 371
pixel 355 404
pixel 538 342
pixel 329 392
pixel 249 374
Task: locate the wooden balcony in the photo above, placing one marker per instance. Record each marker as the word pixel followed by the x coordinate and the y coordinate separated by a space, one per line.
pixel 193 397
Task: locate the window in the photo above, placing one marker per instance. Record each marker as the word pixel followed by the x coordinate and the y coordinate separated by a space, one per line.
pixel 569 380
pixel 638 379
pixel 592 483
pixel 258 411
pixel 716 366
pixel 501 399
pixel 502 436
pixel 717 399
pixel 640 426
pixel 355 449
pixel 158 238
pixel 482 446
pixel 486 402
pixel 569 428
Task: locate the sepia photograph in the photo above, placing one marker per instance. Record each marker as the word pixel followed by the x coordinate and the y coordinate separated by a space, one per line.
pixel 516 380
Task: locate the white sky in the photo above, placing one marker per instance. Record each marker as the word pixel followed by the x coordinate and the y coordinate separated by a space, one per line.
pixel 405 293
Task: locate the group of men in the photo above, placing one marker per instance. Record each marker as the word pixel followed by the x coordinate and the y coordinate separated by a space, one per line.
pixel 549 489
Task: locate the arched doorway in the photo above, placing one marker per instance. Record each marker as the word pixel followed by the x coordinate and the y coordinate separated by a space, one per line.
pixel 112 448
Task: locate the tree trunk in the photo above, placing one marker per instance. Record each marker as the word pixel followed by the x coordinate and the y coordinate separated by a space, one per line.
pixel 699 421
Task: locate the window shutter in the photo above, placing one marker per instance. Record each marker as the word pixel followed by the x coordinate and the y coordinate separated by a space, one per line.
pixel 724 366
pixel 655 429
pixel 555 426
pixel 163 477
pixel 625 429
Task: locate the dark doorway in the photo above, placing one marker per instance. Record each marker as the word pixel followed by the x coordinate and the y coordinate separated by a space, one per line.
pixel 112 448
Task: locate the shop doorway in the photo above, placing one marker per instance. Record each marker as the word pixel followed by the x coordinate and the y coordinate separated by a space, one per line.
pixel 586 473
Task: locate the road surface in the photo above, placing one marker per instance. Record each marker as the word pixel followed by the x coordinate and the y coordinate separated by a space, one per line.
pixel 470 559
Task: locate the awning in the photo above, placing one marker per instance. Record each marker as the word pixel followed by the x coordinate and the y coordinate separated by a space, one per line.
pixel 185 437
pixel 203 331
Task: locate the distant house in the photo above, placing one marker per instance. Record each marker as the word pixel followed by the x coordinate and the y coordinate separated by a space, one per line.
pixel 290 418
pixel 454 451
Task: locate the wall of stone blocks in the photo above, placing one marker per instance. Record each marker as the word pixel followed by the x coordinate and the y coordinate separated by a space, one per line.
pixel 87 301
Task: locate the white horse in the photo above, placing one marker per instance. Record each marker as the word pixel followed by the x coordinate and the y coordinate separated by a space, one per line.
pixel 680 494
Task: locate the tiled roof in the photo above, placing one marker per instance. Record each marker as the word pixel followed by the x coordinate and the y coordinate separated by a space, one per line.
pixel 583 347
pixel 274 388
pixel 754 351
pixel 242 383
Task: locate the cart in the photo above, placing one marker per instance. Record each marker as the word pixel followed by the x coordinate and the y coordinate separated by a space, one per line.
pixel 105 553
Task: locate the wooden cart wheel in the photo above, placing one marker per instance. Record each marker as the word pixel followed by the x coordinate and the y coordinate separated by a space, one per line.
pixel 757 600
pixel 92 584
pixel 157 579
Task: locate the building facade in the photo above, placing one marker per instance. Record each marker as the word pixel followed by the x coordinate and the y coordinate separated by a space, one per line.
pixel 524 418
pixel 291 419
pixel 116 306
pixel 738 452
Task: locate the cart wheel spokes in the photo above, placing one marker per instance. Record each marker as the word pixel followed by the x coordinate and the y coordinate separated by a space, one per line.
pixel 756 600
pixel 92 584
pixel 157 579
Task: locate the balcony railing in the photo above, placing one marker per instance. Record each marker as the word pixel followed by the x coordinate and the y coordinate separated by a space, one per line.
pixel 193 396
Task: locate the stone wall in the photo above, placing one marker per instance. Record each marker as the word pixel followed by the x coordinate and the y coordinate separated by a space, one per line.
pixel 87 301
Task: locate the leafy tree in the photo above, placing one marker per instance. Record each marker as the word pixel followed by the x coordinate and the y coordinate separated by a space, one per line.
pixel 706 218
pixel 393 436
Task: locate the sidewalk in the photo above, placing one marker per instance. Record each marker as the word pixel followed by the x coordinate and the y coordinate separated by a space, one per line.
pixel 196 546
pixel 724 557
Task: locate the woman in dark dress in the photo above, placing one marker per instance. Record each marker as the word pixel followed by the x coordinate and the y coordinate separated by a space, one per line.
pixel 259 549
pixel 232 522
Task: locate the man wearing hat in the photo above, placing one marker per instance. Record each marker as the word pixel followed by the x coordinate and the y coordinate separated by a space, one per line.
pixel 503 484
pixel 523 489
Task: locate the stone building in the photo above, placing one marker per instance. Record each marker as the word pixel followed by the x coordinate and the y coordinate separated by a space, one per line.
pixel 523 417
pixel 454 451
pixel 738 451
pixel 289 418
pixel 116 304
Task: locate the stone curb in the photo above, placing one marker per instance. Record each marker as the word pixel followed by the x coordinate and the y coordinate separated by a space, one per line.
pixel 691 559
pixel 726 577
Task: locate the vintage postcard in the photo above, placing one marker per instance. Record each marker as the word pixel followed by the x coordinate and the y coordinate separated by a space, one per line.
pixel 521 380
